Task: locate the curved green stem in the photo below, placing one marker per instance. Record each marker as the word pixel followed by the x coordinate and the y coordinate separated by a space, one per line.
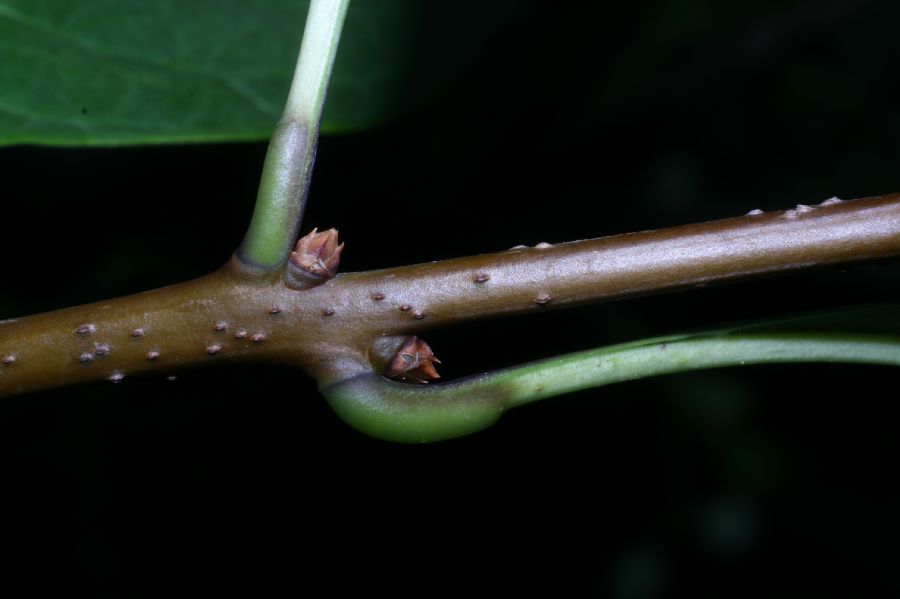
pixel 287 171
pixel 414 414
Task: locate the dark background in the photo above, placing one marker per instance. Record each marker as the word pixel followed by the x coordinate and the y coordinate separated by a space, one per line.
pixel 573 122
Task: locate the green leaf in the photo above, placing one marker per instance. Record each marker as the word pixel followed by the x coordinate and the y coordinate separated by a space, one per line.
pixel 104 72
pixel 408 413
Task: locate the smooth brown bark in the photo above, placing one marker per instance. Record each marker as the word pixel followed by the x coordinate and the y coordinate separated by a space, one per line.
pixel 330 329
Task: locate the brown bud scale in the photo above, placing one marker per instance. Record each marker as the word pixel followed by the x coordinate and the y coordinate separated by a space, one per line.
pixel 414 362
pixel 318 254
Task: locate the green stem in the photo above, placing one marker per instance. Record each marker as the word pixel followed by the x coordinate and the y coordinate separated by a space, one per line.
pixel 419 414
pixel 317 52
pixel 286 174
